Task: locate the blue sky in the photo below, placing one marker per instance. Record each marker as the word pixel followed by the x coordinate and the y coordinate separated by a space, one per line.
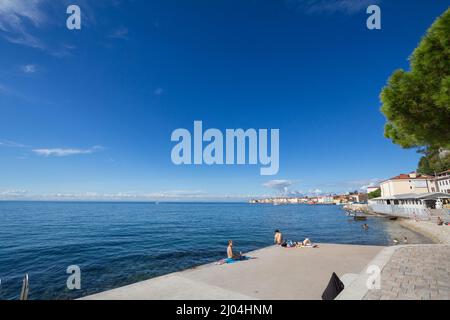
pixel 88 114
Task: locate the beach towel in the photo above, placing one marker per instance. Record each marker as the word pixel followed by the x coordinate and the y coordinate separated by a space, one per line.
pixel 335 286
pixel 230 260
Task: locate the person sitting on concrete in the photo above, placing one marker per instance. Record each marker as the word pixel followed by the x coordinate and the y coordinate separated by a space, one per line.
pixel 278 238
pixel 230 253
pixel 232 257
pixel 440 222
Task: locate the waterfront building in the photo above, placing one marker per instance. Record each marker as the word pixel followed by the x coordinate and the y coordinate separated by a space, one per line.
pixel 412 205
pixel 341 199
pixel 359 197
pixel 325 200
pixel 443 181
pixel 408 183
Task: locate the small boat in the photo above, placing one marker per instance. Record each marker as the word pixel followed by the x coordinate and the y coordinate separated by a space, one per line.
pixel 360 218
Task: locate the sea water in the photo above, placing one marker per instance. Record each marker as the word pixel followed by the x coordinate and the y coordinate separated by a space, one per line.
pixel 116 244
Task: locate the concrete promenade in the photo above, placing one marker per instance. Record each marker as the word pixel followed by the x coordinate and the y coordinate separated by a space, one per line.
pixel 416 272
pixel 275 273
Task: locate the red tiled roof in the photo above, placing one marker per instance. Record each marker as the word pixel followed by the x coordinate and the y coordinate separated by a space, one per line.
pixel 404 176
pixel 407 176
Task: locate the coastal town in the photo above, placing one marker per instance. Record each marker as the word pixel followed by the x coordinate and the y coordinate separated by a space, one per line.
pixel 331 199
pixel 407 195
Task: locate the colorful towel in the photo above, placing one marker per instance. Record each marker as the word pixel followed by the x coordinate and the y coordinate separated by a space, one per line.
pixel 231 260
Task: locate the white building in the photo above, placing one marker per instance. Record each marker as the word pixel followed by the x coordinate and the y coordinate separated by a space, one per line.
pixel 359 198
pixel 443 181
pixel 408 183
pixel 325 200
pixel 412 205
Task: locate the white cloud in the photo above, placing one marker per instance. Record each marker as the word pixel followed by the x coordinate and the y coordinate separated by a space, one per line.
pixel 370 183
pixel 14 11
pixel 51 152
pixel 13 194
pixel 178 194
pixel 331 6
pixel 16 15
pixel 277 183
pixel 281 186
pixel 29 68
pixel 60 152
pixel 21 21
pixel 285 187
pixel 11 144
pixel 164 196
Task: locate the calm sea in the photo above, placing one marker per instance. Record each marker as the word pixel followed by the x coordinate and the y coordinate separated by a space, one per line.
pixel 116 244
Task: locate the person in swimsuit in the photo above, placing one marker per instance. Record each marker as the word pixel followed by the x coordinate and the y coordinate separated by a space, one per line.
pixel 230 253
pixel 278 238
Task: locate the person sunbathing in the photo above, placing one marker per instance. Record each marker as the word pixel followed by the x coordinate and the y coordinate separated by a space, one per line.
pixel 230 253
pixel 307 244
pixel 278 238
pixel 231 256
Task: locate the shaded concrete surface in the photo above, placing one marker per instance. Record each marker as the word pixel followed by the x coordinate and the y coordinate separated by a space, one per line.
pixel 274 273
